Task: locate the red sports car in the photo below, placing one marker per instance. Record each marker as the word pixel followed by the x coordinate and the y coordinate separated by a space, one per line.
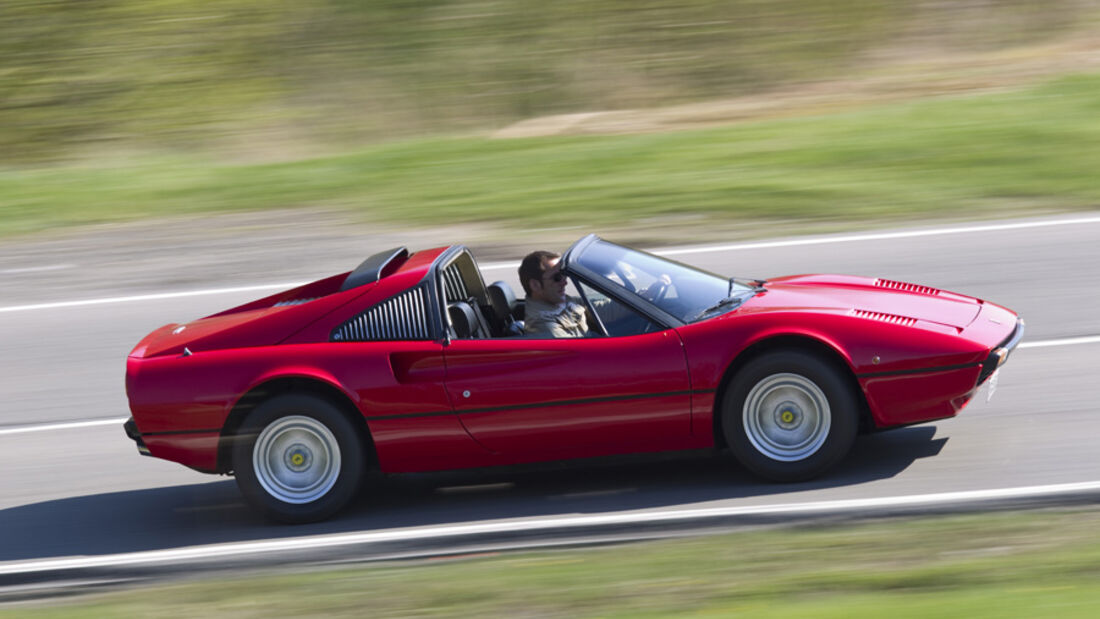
pixel 412 363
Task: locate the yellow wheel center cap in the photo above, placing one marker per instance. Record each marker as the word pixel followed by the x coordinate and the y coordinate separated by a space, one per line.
pixel 297 459
pixel 787 416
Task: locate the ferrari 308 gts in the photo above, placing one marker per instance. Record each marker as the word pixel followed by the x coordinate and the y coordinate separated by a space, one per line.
pixel 412 363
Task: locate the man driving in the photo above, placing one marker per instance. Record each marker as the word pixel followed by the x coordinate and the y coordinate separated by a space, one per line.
pixel 549 312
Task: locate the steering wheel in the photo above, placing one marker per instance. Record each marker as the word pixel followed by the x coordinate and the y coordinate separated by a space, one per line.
pixel 661 292
pixel 656 291
pixel 618 270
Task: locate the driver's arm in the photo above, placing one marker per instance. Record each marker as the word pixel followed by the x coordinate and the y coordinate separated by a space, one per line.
pixel 651 292
pixel 611 311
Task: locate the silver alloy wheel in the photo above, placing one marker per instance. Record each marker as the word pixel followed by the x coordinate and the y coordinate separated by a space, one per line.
pixel 786 417
pixel 296 459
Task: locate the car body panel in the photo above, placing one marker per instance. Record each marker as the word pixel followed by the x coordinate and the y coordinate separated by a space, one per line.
pixel 512 394
pixel 197 450
pixel 903 399
pixel 876 296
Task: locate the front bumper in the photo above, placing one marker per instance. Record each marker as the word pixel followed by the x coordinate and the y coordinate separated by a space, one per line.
pixel 132 432
pixel 999 355
pixel 904 398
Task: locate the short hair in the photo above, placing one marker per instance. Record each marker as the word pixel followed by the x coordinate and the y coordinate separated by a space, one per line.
pixel 532 267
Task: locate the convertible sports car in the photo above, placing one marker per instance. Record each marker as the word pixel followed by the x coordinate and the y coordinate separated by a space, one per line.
pixel 412 363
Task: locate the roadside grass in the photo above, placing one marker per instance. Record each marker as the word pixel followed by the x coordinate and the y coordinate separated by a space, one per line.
pixel 1024 564
pixel 250 76
pixel 995 154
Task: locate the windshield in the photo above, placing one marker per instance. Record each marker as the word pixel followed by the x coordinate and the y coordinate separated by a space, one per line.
pixel 688 293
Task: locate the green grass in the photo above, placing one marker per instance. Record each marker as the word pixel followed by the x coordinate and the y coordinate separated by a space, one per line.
pixel 79 78
pixel 975 156
pixel 1032 564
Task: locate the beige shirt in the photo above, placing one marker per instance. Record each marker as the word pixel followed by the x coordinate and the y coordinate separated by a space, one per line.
pixel 568 319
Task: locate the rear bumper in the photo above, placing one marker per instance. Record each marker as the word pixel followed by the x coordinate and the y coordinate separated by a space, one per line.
pixel 197 449
pixel 132 432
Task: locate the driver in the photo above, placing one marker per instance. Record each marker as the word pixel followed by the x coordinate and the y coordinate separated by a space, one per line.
pixel 549 312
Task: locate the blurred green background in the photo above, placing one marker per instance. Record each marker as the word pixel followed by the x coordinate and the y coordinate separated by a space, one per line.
pixel 484 110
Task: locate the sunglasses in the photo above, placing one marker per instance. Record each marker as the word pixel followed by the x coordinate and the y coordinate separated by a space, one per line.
pixel 558 277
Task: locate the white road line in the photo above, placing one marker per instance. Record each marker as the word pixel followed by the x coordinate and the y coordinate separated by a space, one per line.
pixel 149 297
pixel 50 267
pixel 1069 341
pixel 213 551
pixel 847 238
pixel 70 425
pixel 494 266
pixel 878 236
pixel 672 251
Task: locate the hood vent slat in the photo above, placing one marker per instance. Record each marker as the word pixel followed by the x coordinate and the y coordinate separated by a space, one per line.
pixel 906 287
pixel 881 317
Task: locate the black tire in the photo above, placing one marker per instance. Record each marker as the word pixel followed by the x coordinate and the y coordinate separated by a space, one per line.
pixel 298 458
pixel 789 415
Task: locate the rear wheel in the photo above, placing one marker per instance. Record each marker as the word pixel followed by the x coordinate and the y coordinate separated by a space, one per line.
pixel 298 458
pixel 789 416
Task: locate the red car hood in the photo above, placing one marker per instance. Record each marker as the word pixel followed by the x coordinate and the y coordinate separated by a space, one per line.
pixel 877 298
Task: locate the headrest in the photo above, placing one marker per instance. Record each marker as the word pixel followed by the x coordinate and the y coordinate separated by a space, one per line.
pixel 463 318
pixel 501 298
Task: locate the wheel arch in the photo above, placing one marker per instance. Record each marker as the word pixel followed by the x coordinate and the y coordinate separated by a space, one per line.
pixel 797 342
pixel 283 385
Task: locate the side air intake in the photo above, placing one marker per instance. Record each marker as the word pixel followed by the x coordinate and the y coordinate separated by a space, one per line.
pixel 404 317
pixel 915 288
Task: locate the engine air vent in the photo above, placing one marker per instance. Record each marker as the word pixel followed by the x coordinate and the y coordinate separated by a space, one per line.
pixel 915 288
pixel 294 302
pixel 403 317
pixel 881 317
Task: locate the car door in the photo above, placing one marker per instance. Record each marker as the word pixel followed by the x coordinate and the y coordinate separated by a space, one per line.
pixel 538 399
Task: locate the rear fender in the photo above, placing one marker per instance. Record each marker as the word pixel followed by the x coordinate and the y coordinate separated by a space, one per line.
pixel 290 380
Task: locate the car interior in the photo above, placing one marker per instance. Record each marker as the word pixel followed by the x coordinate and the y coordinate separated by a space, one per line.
pixel 477 311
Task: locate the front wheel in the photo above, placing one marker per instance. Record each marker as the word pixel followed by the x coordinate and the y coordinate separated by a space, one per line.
pixel 298 459
pixel 789 416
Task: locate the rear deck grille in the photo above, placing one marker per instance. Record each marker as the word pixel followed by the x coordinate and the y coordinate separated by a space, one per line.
pixel 404 317
pixel 903 286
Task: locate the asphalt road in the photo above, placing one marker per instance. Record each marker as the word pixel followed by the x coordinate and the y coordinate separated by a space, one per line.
pixel 85 491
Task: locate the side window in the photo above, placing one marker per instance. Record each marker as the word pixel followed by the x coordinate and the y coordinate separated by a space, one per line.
pixel 617 318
